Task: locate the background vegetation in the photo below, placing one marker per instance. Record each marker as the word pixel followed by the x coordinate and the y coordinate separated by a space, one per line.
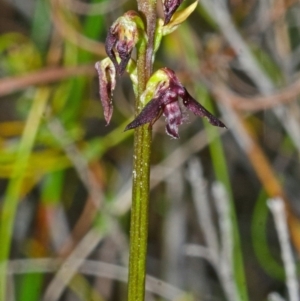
pixel 66 178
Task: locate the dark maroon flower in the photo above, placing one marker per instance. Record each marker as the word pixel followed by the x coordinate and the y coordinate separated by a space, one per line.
pixel 123 35
pixel 107 83
pixel 166 102
pixel 170 6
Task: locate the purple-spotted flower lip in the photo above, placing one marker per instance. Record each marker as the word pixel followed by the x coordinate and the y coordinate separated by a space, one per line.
pixel 166 102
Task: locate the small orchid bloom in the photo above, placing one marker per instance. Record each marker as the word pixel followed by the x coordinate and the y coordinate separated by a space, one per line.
pixel 170 7
pixel 166 101
pixel 107 83
pixel 122 37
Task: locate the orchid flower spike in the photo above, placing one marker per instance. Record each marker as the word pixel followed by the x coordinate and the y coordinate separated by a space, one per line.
pixel 165 100
pixel 122 37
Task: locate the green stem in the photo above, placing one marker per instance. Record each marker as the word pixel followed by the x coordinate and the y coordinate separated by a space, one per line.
pixel 141 167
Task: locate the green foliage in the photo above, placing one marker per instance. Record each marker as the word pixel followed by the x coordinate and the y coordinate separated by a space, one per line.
pixel 260 240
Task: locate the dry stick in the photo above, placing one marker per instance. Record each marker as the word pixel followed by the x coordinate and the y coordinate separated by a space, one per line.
pixel 71 265
pixel 205 218
pixel 203 209
pixel 195 250
pixel 174 230
pixel 45 76
pixel 257 103
pixel 93 268
pixel 226 270
pixel 276 206
pixel 220 257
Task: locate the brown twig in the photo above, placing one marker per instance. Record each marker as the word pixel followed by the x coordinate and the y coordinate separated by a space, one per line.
pixel 258 103
pixel 45 76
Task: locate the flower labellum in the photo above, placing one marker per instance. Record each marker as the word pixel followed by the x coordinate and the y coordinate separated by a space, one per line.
pixel 174 118
pixel 107 82
pixel 170 6
pixel 122 37
pixel 166 101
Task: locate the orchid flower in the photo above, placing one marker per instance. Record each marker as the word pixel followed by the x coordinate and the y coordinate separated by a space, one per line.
pixel 166 101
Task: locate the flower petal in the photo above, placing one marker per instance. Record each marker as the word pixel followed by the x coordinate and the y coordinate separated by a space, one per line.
pixel 199 110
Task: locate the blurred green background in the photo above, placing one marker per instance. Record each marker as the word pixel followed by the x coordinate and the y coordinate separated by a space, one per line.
pixel 66 177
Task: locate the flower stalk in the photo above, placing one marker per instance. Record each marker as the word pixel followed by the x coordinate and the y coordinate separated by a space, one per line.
pixel 141 166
